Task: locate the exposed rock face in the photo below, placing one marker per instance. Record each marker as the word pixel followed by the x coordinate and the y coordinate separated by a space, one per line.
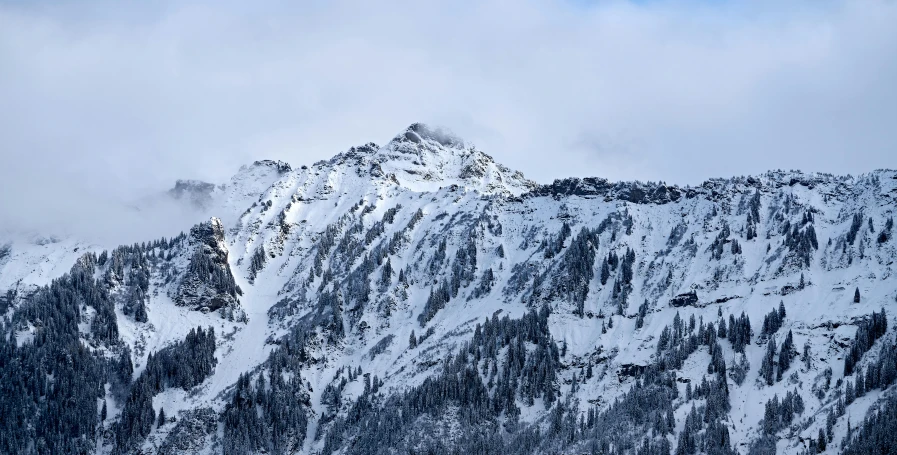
pixel 196 192
pixel 418 132
pixel 281 166
pixel 635 192
pixel 687 299
pixel 659 193
pixel 208 282
pixel 190 433
pixel 425 159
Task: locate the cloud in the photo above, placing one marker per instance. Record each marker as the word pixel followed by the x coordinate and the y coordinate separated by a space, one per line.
pixel 103 104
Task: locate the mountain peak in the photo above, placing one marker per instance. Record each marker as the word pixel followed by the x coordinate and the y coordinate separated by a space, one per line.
pixel 280 166
pixel 196 192
pixel 424 158
pixel 418 133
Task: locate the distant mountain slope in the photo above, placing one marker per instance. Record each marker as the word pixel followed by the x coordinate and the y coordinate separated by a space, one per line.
pixel 421 298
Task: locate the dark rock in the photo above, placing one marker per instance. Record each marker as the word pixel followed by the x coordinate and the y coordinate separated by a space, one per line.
pixel 687 299
pixel 208 282
pixel 190 433
pixel 635 192
pixel 630 370
pixel 417 133
pixel 444 138
pixel 413 137
pixel 196 192
pixel 281 166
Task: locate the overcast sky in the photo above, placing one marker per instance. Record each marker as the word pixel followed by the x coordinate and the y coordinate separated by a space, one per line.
pixel 103 102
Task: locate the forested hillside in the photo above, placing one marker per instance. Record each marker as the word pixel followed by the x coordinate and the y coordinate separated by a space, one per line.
pixel 421 298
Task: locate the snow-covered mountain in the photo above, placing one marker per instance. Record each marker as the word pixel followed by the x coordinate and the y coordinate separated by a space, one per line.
pixel 421 298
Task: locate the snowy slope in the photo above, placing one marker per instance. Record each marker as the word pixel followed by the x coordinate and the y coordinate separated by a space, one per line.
pixel 308 248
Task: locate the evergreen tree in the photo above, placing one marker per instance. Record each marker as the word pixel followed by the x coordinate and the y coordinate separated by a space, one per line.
pixel 877 433
pixel 830 426
pixel 773 321
pixel 785 356
pixel 869 330
pixel 640 317
pixel 767 368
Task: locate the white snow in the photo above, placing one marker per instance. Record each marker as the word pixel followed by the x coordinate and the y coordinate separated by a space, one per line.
pixel 458 189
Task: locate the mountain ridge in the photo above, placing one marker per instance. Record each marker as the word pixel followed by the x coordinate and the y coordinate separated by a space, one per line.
pixel 368 160
pixel 355 262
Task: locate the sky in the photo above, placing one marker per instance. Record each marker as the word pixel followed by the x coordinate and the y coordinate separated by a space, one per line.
pixel 102 103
